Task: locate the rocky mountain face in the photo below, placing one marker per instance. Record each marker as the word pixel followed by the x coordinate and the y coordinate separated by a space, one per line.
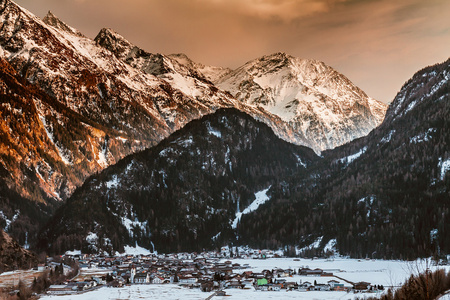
pixel 310 96
pixel 185 194
pixel 85 112
pixel 72 107
pixel 193 79
pixel 12 256
pixel 386 195
pixel 212 73
pixel 110 83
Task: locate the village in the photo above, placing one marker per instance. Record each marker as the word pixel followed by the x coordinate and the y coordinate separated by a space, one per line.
pixel 210 272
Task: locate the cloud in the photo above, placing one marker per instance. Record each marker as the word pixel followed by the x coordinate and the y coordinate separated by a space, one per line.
pixel 285 10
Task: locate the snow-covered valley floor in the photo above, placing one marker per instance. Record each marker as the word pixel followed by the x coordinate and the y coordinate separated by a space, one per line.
pixel 379 272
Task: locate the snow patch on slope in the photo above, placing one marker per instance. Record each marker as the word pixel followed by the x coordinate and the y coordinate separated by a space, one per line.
pixel 388 137
pixel 261 198
pixel 349 159
pixel 330 246
pixel 113 183
pixel 130 224
pixel 213 131
pixel 445 167
pixel 313 245
pixel 102 161
pixel 300 162
pixel 62 153
pixel 423 137
pixel 92 239
pixel 136 250
pixel 8 221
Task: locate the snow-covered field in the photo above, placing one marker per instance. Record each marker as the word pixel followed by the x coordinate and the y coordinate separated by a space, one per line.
pixel 379 272
pixel 316 295
pixel 170 291
pixel 151 291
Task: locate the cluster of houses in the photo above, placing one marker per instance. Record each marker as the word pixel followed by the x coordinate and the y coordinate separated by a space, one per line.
pixel 206 271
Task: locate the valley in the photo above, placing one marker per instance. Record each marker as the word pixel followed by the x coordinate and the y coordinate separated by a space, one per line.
pixel 123 160
pixel 242 276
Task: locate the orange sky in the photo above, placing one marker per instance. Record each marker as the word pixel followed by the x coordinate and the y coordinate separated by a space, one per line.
pixel 377 44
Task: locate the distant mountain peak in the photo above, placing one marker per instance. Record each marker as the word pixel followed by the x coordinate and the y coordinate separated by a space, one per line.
pixel 114 42
pixel 309 95
pixel 212 73
pixel 111 34
pixel 276 55
pixel 54 21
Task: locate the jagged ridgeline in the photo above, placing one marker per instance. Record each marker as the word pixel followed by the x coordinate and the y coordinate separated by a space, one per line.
pixel 386 195
pixel 70 108
pixel 73 106
pixel 181 195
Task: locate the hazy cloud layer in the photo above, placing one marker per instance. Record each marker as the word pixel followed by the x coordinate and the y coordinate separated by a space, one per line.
pixel 378 44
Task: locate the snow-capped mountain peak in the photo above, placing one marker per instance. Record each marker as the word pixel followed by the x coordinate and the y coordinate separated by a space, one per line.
pixel 114 42
pixel 52 20
pixel 309 95
pixel 212 73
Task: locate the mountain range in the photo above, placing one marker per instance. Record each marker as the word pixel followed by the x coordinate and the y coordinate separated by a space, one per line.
pixel 206 186
pixel 173 155
pixel 75 105
pixel 385 195
pixel 307 94
pixel 180 194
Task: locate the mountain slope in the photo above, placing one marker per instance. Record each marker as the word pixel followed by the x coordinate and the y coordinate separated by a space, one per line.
pixel 33 177
pixel 180 194
pixel 71 108
pixel 385 195
pixel 211 73
pixel 309 95
pixel 12 256
pixel 134 107
pixel 189 77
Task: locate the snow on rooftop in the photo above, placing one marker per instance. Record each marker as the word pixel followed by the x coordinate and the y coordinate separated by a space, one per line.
pixel 73 252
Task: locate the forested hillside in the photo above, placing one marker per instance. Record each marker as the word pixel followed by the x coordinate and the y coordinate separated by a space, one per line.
pixel 181 195
pixel 386 195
